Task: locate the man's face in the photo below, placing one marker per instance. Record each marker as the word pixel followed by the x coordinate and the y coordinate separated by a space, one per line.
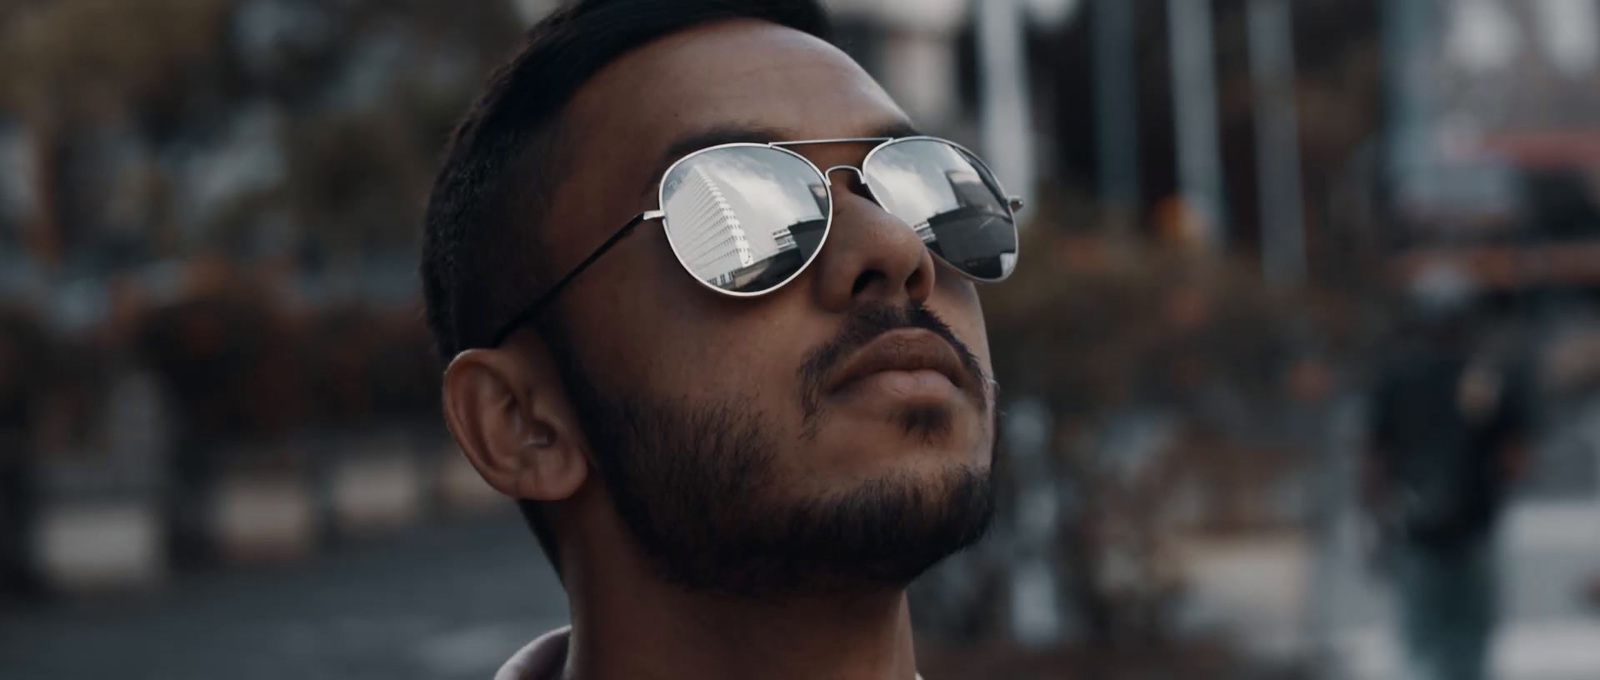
pixel 726 430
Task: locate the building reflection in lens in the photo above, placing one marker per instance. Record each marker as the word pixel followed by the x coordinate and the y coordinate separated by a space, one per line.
pixel 745 219
pixel 954 206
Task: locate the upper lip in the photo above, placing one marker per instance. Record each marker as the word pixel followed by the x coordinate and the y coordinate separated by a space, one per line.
pixel 909 349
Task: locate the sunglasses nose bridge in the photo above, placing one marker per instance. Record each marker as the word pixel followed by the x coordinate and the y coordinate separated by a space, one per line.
pixel 851 168
pixel 860 185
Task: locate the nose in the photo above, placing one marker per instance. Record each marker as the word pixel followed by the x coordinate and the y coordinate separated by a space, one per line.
pixel 870 255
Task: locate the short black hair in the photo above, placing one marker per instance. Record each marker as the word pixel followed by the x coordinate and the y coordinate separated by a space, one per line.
pixel 481 259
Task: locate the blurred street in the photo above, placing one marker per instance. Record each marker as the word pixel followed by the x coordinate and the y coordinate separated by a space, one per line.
pixel 453 598
pixel 1549 549
pixel 449 600
pixel 1548 632
pixel 412 606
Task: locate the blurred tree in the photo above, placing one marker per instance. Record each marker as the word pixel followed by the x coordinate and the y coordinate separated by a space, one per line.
pixel 371 90
pixel 1161 369
pixel 82 62
pixel 90 59
pixel 345 175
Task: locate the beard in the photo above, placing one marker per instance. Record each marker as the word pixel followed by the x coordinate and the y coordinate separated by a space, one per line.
pixel 699 487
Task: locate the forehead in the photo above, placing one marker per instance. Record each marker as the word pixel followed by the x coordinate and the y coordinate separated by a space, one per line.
pixel 730 74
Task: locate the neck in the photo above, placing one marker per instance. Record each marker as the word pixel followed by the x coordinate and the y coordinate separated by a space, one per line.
pixel 644 630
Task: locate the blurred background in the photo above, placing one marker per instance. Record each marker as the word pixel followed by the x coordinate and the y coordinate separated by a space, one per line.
pixel 220 448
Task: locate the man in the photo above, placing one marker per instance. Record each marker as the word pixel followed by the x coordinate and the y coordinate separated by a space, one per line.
pixel 1448 440
pixel 741 424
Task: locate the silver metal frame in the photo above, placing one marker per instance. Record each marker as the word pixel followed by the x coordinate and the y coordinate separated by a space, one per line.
pixel 1012 203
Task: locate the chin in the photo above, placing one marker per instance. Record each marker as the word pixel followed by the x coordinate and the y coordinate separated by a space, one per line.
pixel 914 440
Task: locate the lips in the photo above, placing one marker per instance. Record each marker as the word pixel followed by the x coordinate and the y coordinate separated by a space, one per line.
pixel 906 350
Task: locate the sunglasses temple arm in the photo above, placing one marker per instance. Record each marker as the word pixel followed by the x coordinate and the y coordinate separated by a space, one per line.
pixel 538 306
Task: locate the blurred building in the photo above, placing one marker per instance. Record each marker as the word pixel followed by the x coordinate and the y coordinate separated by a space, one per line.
pixel 1491 172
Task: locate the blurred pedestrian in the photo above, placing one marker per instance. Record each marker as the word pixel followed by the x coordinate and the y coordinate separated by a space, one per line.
pixel 737 446
pixel 1449 438
pixel 23 360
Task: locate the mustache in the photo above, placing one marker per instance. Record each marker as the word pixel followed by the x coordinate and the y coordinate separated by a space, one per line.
pixel 866 324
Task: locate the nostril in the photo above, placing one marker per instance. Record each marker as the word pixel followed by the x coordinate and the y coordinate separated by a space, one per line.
pixel 864 281
pixel 862 190
pixel 917 278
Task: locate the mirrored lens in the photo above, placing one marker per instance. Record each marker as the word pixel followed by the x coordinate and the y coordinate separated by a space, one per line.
pixel 745 219
pixel 953 202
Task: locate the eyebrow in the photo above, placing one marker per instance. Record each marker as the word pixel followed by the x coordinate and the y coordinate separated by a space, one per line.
pixel 751 134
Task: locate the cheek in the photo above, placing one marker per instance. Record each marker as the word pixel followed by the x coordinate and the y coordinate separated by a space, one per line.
pixel 691 345
pixel 752 355
pixel 707 368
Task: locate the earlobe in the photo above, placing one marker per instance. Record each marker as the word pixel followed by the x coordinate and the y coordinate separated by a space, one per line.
pixel 511 421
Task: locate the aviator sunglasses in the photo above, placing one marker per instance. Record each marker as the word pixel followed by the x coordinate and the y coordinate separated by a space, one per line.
pixel 745 219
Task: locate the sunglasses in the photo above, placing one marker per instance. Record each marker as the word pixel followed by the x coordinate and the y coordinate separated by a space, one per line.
pixel 745 219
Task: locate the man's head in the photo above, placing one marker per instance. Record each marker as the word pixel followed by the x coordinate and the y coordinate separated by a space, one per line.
pixel 743 444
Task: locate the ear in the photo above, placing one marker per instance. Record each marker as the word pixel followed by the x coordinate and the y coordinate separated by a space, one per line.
pixel 509 413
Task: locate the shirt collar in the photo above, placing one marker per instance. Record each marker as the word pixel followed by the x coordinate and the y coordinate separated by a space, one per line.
pixel 542 659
